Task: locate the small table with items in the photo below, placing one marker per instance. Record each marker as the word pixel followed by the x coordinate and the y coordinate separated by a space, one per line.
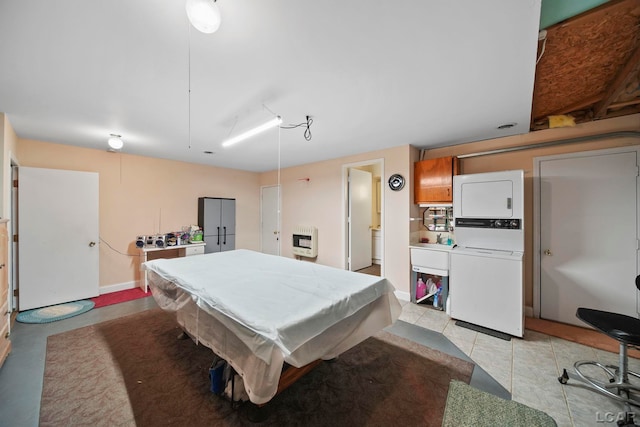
pixel 149 253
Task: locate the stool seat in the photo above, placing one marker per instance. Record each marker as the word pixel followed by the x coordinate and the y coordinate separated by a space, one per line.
pixel 620 327
pixel 617 385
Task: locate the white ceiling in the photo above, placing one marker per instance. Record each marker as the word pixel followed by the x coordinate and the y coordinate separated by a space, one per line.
pixel 371 74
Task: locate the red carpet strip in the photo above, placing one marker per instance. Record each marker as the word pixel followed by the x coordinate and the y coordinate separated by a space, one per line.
pixel 118 297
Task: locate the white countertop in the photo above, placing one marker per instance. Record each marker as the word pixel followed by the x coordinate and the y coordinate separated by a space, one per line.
pixel 164 248
pixel 432 246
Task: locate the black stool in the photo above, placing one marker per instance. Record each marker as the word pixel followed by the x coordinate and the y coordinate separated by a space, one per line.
pixel 625 330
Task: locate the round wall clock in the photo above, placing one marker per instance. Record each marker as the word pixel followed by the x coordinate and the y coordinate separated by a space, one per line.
pixel 396 182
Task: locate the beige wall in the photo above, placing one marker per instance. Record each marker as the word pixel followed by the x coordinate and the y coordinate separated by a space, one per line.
pixel 143 195
pixel 321 202
pixel 140 194
pixel 524 160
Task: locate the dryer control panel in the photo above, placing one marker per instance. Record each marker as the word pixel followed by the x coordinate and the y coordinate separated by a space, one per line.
pixel 507 223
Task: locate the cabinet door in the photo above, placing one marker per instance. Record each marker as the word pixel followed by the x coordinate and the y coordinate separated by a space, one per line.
pixel 228 242
pixel 229 216
pixel 5 344
pixel 377 247
pixel 209 216
pixel 212 244
pixel 433 180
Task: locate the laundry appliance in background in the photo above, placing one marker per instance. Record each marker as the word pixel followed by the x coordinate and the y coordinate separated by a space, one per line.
pixel 486 271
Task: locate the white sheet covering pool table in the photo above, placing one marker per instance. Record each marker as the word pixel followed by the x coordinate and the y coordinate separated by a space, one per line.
pixel 258 311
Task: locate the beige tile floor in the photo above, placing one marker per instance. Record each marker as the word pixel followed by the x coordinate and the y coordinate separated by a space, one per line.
pixel 529 368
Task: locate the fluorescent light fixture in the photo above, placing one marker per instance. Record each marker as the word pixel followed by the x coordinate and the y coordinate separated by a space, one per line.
pixel 248 134
pixel 115 142
pixel 204 15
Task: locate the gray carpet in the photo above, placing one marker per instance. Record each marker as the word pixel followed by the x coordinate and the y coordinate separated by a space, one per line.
pixel 470 407
pixel 480 379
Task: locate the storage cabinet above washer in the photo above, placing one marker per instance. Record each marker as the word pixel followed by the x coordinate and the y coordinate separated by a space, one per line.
pixel 433 180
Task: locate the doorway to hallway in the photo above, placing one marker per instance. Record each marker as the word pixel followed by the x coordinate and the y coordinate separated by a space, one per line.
pixel 363 217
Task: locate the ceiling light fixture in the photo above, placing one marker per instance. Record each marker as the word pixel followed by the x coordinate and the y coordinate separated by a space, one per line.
pixel 115 141
pixel 204 15
pixel 248 134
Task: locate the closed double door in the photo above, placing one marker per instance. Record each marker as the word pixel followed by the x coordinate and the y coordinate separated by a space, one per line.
pixel 217 217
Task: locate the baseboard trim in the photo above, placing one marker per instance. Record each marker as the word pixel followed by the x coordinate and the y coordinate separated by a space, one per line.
pixel 528 311
pixel 117 287
pixel 402 295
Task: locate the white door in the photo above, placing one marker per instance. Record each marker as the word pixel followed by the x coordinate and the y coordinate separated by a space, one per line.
pixel 270 202
pixel 588 234
pixel 58 236
pixel 360 201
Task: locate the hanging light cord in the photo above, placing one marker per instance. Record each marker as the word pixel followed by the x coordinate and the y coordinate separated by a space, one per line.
pixel 189 83
pixel 279 225
pixel 307 124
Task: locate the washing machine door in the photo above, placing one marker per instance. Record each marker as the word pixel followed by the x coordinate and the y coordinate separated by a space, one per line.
pixel 486 289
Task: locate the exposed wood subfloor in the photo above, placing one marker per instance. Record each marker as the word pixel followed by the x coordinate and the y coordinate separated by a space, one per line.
pixel 589 337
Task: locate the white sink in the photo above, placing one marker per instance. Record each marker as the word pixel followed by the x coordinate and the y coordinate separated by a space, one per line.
pixel 430 255
pixel 432 246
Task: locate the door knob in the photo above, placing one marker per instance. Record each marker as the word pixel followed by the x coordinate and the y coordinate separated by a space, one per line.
pixel 92 244
pixel 275 232
pixel 547 252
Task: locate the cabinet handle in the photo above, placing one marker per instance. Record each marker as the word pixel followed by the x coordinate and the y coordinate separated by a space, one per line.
pixel 224 242
pixel 218 236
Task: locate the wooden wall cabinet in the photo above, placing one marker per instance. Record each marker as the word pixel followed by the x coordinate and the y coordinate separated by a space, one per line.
pixel 5 343
pixel 433 180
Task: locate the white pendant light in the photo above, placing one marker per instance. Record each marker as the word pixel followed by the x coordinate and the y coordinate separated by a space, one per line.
pixel 248 134
pixel 115 142
pixel 204 15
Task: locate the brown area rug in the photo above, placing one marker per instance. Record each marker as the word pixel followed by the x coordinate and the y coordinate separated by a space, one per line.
pixel 133 371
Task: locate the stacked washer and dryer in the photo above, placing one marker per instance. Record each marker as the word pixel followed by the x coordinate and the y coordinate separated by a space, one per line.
pixel 486 270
